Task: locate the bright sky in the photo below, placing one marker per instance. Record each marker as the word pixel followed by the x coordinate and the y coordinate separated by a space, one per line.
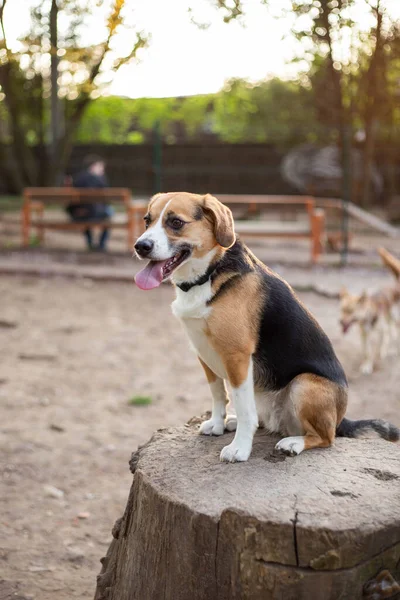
pixel 183 59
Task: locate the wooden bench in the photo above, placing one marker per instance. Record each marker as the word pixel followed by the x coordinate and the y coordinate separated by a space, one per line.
pixel 313 229
pixel 36 199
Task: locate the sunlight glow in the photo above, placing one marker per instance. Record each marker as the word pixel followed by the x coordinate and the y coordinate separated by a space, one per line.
pixel 184 58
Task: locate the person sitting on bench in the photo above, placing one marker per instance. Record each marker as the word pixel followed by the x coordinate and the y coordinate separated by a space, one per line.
pixel 92 176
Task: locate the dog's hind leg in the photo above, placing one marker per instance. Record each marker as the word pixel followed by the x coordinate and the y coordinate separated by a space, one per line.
pixel 395 328
pixel 319 406
pixel 386 336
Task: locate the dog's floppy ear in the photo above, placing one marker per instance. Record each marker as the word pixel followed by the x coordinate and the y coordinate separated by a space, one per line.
pixel 222 219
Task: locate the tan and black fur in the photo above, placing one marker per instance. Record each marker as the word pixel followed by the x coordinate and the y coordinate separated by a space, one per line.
pixel 247 327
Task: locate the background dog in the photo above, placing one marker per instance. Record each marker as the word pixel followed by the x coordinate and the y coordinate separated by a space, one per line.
pixel 248 328
pixel 377 315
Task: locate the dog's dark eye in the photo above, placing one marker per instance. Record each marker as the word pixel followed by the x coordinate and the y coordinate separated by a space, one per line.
pixel 146 222
pixel 176 223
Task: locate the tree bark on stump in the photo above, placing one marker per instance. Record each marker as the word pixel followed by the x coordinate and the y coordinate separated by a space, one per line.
pixel 324 525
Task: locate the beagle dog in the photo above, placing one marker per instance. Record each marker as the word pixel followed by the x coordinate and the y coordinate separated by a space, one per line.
pixel 248 328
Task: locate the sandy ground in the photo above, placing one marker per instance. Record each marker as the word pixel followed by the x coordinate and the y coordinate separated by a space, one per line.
pixel 72 353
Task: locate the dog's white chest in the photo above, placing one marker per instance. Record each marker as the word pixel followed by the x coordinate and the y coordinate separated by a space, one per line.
pixel 195 329
pixel 192 304
pixel 192 310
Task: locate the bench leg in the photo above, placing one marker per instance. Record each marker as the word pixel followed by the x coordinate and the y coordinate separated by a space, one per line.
pixel 40 230
pixel 252 209
pixel 131 234
pixel 317 233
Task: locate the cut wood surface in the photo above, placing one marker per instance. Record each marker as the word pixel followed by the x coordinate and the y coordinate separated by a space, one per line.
pixel 319 526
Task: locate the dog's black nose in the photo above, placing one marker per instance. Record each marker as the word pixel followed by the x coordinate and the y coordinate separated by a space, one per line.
pixel 144 247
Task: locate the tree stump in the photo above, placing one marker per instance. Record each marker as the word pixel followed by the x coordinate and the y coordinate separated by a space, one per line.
pixel 324 525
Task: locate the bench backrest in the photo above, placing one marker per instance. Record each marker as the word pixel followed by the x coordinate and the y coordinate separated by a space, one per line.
pixel 68 195
pixel 263 199
pixel 259 200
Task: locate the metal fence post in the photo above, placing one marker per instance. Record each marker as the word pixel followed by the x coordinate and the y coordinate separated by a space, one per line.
pixel 157 158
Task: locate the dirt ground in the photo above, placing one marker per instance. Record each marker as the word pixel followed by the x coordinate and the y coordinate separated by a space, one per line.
pixel 72 353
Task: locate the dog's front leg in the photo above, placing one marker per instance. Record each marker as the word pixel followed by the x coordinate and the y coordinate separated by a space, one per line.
pixel 240 374
pixel 394 332
pixel 367 365
pixel 386 338
pixel 215 425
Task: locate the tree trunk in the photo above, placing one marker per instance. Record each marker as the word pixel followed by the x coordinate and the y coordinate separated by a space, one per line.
pixel 9 170
pixel 56 116
pixel 391 155
pixel 22 153
pixel 368 163
pixel 322 526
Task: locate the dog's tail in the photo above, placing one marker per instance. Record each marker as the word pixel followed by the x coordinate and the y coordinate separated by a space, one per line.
pixel 390 261
pixel 364 428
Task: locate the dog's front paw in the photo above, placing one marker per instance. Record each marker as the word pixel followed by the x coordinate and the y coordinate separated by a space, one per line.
pixel 231 423
pixel 291 446
pixel 367 368
pixel 212 427
pixel 235 453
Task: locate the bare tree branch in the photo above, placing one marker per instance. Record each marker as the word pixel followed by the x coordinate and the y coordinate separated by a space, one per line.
pixel 234 8
pixel 114 20
pixel 2 7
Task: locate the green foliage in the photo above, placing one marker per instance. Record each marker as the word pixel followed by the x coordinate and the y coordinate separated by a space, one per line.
pixel 10 203
pixel 34 241
pixel 139 401
pixel 275 111
pixel 107 120
pixel 195 113
pixel 124 121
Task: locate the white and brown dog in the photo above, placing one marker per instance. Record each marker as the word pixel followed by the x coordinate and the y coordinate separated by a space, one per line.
pixel 377 315
pixel 248 328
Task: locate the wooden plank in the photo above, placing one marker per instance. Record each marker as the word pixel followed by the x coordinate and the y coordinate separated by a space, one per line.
pixel 266 227
pixel 361 215
pixel 274 234
pixel 264 199
pixel 70 195
pixel 372 220
pixel 78 226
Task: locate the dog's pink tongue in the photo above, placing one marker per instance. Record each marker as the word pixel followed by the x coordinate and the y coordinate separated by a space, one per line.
pixel 151 276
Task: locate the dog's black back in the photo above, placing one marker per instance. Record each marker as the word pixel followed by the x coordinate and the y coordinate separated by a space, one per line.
pixel 290 340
